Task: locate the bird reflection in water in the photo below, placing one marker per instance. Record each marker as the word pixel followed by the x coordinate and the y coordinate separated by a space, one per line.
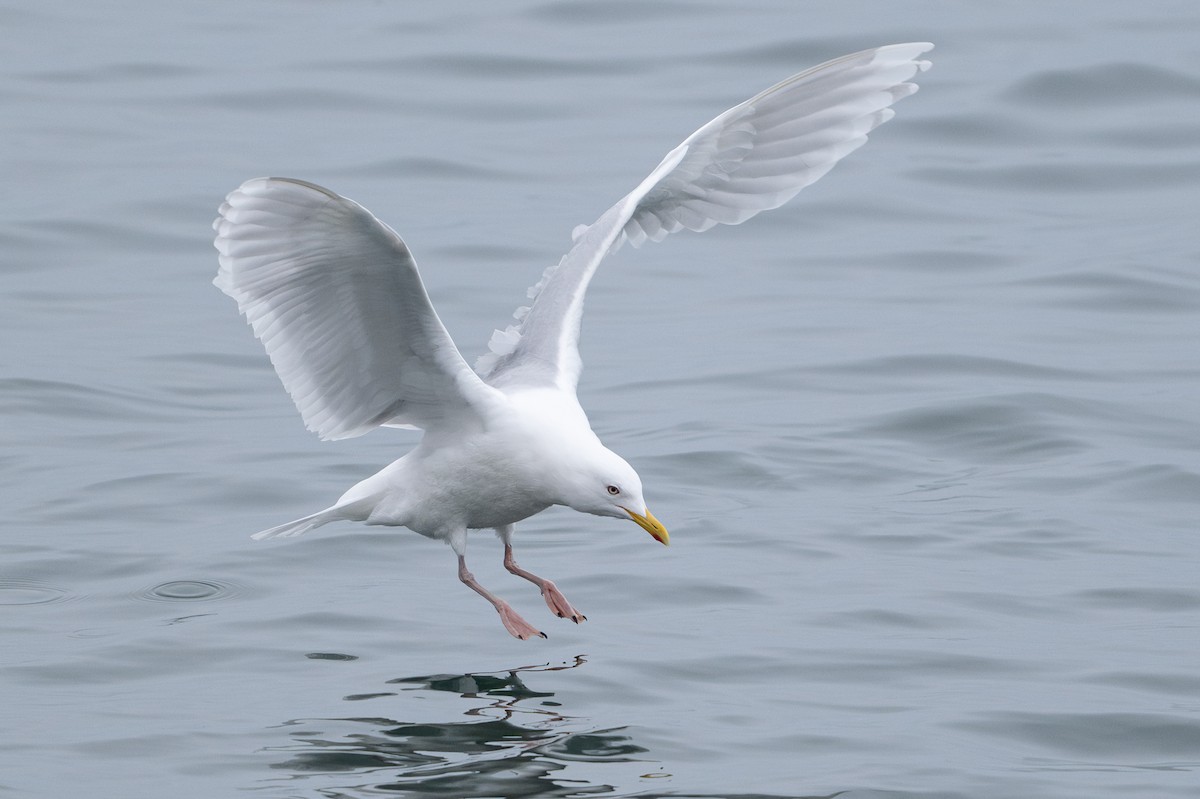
pixel 515 744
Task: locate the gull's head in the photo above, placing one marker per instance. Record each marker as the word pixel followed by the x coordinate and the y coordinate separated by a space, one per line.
pixel 607 485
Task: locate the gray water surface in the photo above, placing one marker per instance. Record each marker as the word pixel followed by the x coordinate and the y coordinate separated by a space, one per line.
pixel 927 439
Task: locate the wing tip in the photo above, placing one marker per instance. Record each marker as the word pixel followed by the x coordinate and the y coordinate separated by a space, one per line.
pixel 907 52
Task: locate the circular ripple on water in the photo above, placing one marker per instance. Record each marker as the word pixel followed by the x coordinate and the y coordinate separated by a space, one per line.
pixel 31 592
pixel 189 591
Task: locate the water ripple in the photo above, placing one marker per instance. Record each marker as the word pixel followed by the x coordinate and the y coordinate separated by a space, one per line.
pixel 497 66
pixel 189 591
pixel 1077 178
pixel 284 99
pixel 120 73
pixel 1125 737
pixel 991 429
pixel 32 592
pixel 632 12
pixel 413 167
pixel 330 656
pixel 1121 291
pixel 1105 85
pixel 1143 598
pixel 56 399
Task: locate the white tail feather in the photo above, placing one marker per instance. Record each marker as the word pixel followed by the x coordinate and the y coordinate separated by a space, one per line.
pixel 300 526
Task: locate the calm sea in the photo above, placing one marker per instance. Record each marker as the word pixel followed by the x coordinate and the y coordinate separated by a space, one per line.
pixel 927 439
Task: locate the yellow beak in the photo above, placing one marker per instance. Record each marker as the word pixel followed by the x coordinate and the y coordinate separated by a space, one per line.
pixel 651 525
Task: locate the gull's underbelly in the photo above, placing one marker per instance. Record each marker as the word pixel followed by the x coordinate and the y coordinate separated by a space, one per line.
pixel 503 511
pixel 472 488
pixel 451 507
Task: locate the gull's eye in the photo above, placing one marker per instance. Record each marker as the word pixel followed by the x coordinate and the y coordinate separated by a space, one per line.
pixel 614 490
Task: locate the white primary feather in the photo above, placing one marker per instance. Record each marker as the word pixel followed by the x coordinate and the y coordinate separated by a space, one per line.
pixel 752 158
pixel 335 297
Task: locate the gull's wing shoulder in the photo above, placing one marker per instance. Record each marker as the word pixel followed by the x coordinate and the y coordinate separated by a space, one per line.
pixel 336 299
pixel 754 157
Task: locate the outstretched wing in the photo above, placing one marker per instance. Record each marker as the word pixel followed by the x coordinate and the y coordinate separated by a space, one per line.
pixel 335 297
pixel 754 157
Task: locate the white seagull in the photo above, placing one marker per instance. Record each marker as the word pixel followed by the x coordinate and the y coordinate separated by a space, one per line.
pixel 335 297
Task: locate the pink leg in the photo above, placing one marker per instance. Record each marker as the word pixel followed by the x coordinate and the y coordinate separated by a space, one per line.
pixel 557 603
pixel 512 621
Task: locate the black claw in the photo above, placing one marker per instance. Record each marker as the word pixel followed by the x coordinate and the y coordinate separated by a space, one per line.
pixel 559 615
pixel 543 635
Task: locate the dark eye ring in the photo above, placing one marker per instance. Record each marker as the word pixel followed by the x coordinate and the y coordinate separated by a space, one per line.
pixel 614 490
